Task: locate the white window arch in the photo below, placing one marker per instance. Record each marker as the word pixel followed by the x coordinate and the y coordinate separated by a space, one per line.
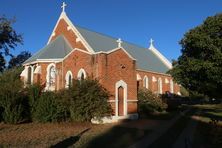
pixel 51 75
pixel 81 74
pixel 146 82
pixel 122 84
pixel 69 78
pixel 160 86
pixel 171 86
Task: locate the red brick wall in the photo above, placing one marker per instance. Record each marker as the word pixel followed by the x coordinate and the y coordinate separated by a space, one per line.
pixel 114 67
pixel 153 86
pixel 69 34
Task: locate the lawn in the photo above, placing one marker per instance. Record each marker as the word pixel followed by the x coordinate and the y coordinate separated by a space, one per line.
pixel 68 134
pixel 209 134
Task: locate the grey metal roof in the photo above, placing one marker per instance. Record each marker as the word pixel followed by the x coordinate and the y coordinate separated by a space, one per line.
pixel 59 48
pixel 56 49
pixel 146 59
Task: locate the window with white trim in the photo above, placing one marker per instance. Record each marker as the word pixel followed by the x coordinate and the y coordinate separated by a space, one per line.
pixel 51 75
pixel 81 74
pixel 160 86
pixel 171 86
pixel 146 82
pixel 69 79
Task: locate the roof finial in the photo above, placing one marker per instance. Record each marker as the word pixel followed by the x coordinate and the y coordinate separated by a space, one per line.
pixel 63 6
pixel 151 43
pixel 119 41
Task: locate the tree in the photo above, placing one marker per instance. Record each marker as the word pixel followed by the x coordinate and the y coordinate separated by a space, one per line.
pixel 19 59
pixel 9 39
pixel 2 63
pixel 199 68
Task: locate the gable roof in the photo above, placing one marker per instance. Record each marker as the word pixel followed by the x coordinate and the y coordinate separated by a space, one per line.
pixel 146 59
pixel 56 49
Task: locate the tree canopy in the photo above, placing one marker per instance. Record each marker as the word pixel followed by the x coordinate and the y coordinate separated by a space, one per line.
pixel 9 39
pixel 199 68
pixel 19 59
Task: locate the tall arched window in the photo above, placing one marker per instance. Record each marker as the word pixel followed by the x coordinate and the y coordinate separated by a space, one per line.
pixel 146 82
pixel 29 75
pixel 171 86
pixel 160 86
pixel 81 74
pixel 69 78
pixel 51 76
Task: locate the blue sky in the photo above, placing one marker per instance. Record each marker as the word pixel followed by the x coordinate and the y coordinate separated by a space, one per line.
pixel 135 21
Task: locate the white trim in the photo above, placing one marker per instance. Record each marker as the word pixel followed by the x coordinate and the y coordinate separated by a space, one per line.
pixel 132 100
pixel 154 72
pixel 76 49
pixel 37 70
pixel 160 86
pixel 47 77
pixel 79 75
pixel 171 86
pixel 111 101
pixel 154 79
pixel 146 84
pixel 49 60
pixel 115 49
pixel 161 57
pixel 138 77
pixel 121 83
pixel 73 28
pixel 67 79
pixel 166 81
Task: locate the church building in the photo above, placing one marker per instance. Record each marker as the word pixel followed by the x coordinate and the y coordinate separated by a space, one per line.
pixel 73 52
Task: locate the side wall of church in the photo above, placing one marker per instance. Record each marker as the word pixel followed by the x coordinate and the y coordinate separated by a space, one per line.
pixel 153 81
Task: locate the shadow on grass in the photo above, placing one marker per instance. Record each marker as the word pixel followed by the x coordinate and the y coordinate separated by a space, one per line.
pixel 69 141
pixel 117 137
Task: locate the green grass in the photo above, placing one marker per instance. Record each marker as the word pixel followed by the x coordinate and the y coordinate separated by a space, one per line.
pixel 169 137
pixel 161 115
pixel 117 137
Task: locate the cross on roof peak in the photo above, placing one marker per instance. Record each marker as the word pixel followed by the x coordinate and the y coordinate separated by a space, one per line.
pixel 151 43
pixel 119 41
pixel 63 6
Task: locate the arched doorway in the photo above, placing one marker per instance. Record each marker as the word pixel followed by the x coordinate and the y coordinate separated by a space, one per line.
pixel 120 101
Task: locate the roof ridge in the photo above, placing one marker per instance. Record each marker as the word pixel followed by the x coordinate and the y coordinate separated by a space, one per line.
pixel 109 36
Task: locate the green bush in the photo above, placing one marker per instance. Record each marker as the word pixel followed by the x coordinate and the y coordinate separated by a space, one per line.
pixel 89 100
pixel 50 108
pixel 149 102
pixel 13 102
pixel 33 93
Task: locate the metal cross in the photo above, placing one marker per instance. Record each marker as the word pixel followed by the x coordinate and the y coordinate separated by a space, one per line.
pixel 63 6
pixel 119 41
pixel 151 42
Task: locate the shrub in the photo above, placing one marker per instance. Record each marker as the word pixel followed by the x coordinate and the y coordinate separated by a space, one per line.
pixel 50 108
pixel 12 101
pixel 89 100
pixel 149 102
pixel 34 93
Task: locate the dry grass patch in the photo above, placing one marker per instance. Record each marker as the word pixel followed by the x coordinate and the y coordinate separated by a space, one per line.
pixel 45 135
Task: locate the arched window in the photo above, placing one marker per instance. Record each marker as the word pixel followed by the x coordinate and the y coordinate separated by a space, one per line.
pixel 81 74
pixel 146 82
pixel 51 76
pixel 171 86
pixel 29 75
pixel 160 86
pixel 69 78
